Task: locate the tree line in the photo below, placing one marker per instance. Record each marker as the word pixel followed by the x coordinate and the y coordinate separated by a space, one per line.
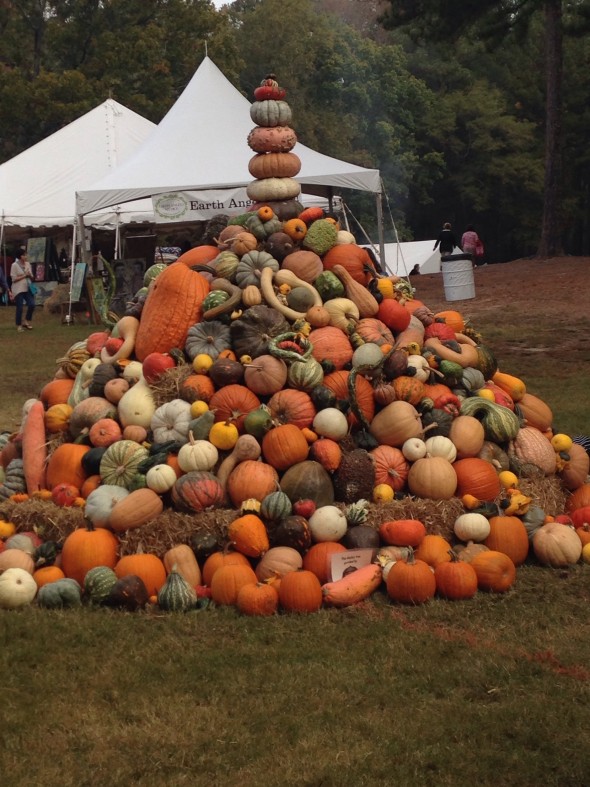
pixel 477 117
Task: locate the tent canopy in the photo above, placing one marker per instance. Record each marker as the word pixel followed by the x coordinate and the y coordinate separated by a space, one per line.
pixel 201 144
pixel 38 186
pixel 400 258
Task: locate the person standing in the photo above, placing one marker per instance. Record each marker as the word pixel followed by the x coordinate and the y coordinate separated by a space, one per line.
pixel 469 242
pixel 22 277
pixel 446 240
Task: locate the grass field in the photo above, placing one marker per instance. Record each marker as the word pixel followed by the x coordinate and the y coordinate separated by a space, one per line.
pixel 493 691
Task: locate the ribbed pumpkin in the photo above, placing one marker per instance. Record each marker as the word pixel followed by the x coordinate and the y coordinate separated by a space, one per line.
pixel 300 591
pixel 557 545
pixel 120 461
pixel 197 491
pixel 176 594
pixel 391 467
pixel 408 389
pixel 251 478
pixel 476 477
pixel 495 571
pixel 455 580
pixel 86 548
pixel 434 549
pixel 261 599
pixel 508 535
pixel 396 423
pixel 580 498
pixel 274 165
pixel 318 557
pixel 332 345
pixel 265 375
pixel 57 418
pixel 305 264
pixel 228 580
pixel 292 407
pixel 410 581
pixel 576 471
pixel 218 559
pixel 173 304
pixel 233 403
pixel 373 330
pixel 284 446
pixel 467 435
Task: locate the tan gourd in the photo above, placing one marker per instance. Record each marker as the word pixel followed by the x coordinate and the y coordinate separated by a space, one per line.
pixel 183 560
pixel 136 509
pixel 357 293
pixel 125 329
pixel 246 447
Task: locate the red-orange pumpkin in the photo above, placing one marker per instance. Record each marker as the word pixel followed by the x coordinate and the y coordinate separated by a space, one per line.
pixel 197 387
pixel 148 568
pixel 233 403
pixel 402 532
pixel 251 478
pixel 331 344
pixel 292 407
pixel 318 557
pixel 354 259
pixel 219 559
pixel 199 255
pixel 394 315
pixel 476 477
pixel 578 499
pixel 337 382
pixel 65 465
pixel 248 535
pixel 328 453
pixel 391 467
pixel 300 591
pixel 56 391
pixel 495 571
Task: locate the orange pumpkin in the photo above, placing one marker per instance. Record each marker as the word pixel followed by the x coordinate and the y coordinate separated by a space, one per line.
pixel 328 453
pixel 65 465
pixel 452 318
pixel 508 535
pixel 411 581
pixel 337 382
pixel 228 580
pixel 219 559
pixel 290 406
pixel 252 478
pixel 433 549
pixel 455 580
pixel 56 392
pixel 580 498
pixel 248 535
pixel 47 574
pixel 391 467
pixel 354 259
pixel 261 599
pixel 495 571
pixel 197 387
pixel 173 304
pixel 233 403
pixel 284 446
pixel 404 533
pixel 148 568
pixel 199 255
pixel 317 559
pixel 476 477
pixel 86 548
pixel 408 389
pixel 300 591
pixel 331 344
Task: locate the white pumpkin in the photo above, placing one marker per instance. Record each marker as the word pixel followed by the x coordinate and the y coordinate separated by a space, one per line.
pixel 421 367
pixel 136 407
pixel 332 423
pixel 133 372
pixel 471 527
pixel 101 501
pixel 17 588
pixel 414 449
pixel 160 478
pixel 367 355
pixel 171 421
pixel 344 236
pixel 441 446
pixel 197 455
pixel 327 523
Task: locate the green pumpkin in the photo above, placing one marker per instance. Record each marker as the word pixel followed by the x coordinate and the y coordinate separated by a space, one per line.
pixel 305 375
pixel 46 554
pixel 60 594
pixel 120 462
pixel 176 595
pixel 226 265
pixel 276 506
pixel 213 299
pixel 258 422
pixel 201 426
pixel 500 424
pixel 486 361
pixel 98 583
pixel 472 379
pixel 152 272
pixel 329 286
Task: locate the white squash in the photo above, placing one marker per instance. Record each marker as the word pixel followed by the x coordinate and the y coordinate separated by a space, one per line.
pixel 137 406
pixel 17 588
pixel 421 367
pixel 471 527
pixel 332 423
pixel 101 501
pixel 341 311
pixel 367 355
pixel 414 449
pixel 441 446
pixel 171 421
pixel 160 478
pixel 327 523
pixel 133 372
pixel 344 236
pixel 197 455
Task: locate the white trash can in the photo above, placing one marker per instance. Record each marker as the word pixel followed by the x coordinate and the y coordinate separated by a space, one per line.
pixel 458 281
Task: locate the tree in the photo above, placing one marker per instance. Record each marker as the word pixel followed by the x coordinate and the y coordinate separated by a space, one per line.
pixel 494 21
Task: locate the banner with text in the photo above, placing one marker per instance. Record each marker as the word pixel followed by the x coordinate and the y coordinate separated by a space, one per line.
pixel 199 206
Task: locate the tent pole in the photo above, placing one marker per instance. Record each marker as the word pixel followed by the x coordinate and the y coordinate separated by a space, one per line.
pixel 118 233
pixel 72 269
pixel 380 229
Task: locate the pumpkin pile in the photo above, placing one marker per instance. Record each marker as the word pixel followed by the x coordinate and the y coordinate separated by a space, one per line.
pixel 279 378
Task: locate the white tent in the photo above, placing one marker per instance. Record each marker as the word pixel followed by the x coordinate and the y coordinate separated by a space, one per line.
pixel 200 145
pixel 400 258
pixel 37 187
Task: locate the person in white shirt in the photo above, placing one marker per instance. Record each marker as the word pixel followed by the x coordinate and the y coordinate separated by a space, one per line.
pixel 22 276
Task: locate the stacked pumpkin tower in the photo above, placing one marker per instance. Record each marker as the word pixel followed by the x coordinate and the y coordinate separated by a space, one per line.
pixel 273 392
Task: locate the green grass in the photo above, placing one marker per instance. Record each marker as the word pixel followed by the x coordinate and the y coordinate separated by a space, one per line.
pixel 494 691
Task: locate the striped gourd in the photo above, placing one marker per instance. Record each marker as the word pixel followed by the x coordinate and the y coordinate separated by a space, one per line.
pixel 176 595
pixel 120 461
pixel 500 424
pixel 98 583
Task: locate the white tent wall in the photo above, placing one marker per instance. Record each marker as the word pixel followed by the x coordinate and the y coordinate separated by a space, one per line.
pixel 190 151
pixel 401 258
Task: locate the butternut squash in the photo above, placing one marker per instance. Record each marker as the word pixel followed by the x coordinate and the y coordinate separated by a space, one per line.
pixel 182 558
pixel 467 357
pixel 357 293
pixel 352 588
pixel 513 386
pixel 136 509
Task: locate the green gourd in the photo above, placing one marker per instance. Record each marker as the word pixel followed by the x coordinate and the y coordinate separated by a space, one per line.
pixel 329 286
pixel 201 426
pixel 500 424
pixel 176 595
pixel 98 583
pixel 120 461
pixel 60 594
pixel 276 506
